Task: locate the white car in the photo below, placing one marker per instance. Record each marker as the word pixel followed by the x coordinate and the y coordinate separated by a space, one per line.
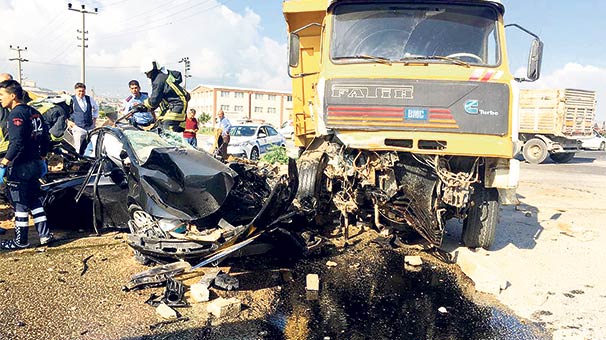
pixel 287 129
pixel 252 140
pixel 597 142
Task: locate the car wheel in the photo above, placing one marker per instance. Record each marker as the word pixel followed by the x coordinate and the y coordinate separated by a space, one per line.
pixel 254 154
pixel 143 224
pixel 602 146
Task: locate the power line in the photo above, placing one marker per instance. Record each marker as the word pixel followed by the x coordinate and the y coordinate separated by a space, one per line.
pixel 152 25
pixel 114 3
pixel 90 66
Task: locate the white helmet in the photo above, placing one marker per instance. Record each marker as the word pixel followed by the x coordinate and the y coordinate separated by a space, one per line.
pixel 60 98
pixel 148 65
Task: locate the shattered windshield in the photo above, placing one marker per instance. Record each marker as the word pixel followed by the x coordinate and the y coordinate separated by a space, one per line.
pixel 242 131
pixel 400 33
pixel 144 142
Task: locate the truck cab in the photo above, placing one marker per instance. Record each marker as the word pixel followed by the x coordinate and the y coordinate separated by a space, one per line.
pixel 405 112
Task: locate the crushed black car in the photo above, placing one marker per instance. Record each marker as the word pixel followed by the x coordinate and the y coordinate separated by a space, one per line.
pixel 178 202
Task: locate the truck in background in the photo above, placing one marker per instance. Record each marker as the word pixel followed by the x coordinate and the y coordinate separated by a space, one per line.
pixel 554 123
pixel 405 113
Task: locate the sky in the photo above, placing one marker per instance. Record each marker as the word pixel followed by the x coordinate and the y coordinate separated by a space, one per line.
pixel 243 42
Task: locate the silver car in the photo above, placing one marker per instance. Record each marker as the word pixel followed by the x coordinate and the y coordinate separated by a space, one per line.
pixel 252 140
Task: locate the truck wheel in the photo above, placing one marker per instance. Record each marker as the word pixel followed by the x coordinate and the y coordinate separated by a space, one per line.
pixel 535 151
pixel 563 157
pixel 480 226
pixel 311 175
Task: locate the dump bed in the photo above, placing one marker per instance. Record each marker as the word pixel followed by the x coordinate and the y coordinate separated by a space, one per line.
pixel 559 112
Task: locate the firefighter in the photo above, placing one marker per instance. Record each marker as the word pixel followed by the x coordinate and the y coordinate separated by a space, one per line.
pixel 56 110
pixel 167 95
pixel 24 164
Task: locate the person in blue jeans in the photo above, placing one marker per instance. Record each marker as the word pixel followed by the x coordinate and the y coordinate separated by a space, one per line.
pixel 191 128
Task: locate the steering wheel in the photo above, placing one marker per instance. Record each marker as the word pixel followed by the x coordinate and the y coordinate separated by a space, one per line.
pixel 464 54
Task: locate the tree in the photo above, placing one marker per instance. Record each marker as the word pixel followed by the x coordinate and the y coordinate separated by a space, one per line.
pixel 204 118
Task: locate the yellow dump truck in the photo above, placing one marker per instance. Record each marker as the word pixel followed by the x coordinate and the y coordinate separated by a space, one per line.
pixel 554 123
pixel 405 113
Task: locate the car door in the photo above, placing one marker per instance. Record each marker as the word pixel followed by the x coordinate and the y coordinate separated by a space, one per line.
pixel 274 137
pixel 263 139
pixel 112 186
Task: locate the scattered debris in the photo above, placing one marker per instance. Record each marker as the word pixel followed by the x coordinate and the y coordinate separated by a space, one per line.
pixel 199 292
pixel 166 312
pixel 312 282
pixel 226 282
pixel 173 295
pixel 85 264
pixel 167 322
pixel 442 310
pixel 156 276
pixel 222 307
pixel 331 264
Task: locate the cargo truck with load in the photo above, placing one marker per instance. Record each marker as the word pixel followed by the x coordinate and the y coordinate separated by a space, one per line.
pixel 554 123
pixel 405 113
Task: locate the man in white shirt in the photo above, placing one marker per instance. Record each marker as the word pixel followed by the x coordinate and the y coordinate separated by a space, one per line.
pixel 84 116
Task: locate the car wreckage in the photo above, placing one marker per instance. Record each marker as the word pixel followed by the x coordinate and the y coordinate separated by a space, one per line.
pixel 178 202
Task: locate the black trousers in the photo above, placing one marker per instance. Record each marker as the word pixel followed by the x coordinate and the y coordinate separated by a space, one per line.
pixel 24 192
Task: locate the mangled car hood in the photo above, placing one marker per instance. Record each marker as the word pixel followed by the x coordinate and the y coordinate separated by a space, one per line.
pixel 181 183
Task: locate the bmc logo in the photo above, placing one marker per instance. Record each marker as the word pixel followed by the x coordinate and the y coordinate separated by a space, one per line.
pixel 471 107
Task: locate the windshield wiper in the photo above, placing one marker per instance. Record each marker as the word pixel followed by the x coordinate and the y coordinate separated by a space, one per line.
pixel 377 59
pixel 455 61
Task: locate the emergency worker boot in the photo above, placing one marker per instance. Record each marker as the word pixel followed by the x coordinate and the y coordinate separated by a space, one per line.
pixel 19 242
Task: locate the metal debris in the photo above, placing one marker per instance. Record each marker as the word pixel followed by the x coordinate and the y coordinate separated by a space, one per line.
pixel 226 282
pixel 85 264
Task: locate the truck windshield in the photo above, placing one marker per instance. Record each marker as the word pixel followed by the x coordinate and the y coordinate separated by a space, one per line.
pixel 403 33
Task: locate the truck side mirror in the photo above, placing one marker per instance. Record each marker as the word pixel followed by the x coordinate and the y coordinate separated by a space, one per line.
pixel 534 60
pixel 293 50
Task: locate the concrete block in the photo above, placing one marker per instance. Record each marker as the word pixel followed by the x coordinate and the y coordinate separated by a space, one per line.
pixel 312 282
pixel 199 292
pixel 221 307
pixel 166 312
pixel 413 260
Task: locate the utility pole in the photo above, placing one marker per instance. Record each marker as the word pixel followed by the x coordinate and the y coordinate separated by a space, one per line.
pixel 84 32
pixel 186 68
pixel 19 61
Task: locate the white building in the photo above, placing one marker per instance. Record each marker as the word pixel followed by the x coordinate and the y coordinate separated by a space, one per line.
pixel 258 105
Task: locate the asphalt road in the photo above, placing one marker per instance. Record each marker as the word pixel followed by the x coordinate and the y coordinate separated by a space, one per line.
pixel 582 163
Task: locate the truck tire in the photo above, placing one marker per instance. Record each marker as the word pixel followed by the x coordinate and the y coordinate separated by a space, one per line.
pixel 480 225
pixel 311 170
pixel 563 157
pixel 535 151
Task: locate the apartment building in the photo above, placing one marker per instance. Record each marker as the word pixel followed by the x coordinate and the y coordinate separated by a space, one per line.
pixel 258 105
